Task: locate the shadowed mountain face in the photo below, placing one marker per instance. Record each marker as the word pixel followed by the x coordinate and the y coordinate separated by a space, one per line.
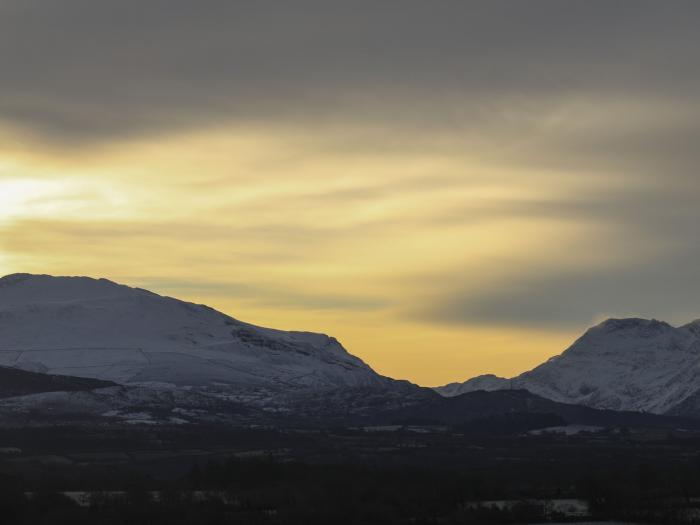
pixel 620 364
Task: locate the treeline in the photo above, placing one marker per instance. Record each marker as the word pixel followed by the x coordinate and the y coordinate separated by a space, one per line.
pixel 277 493
pixel 269 492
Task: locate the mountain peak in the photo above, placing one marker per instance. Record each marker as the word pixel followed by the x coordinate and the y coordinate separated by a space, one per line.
pixel 42 278
pixel 693 326
pixel 15 278
pixel 632 323
pixel 25 289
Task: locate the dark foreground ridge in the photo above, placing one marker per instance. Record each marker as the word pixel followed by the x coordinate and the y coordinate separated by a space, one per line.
pixel 520 410
pixel 15 382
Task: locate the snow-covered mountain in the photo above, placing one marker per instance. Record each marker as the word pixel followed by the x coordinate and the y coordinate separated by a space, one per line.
pixel 78 326
pixel 620 364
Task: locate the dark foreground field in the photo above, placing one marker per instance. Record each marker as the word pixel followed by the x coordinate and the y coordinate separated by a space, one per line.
pixel 209 474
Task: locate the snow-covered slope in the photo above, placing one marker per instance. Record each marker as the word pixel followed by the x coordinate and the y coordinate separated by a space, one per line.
pixel 85 327
pixel 620 364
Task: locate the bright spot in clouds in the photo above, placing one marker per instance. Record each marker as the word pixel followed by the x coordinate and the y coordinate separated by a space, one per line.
pixel 28 198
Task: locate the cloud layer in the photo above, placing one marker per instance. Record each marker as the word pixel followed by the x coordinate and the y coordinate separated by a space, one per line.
pixel 85 70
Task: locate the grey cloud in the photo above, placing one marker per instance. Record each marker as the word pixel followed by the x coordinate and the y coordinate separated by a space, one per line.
pixel 666 289
pixel 81 70
pixel 662 150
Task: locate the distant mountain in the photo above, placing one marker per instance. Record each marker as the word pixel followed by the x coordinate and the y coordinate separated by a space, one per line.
pixel 620 364
pixel 486 382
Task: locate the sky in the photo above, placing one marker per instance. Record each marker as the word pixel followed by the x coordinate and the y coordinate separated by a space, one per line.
pixel 449 188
